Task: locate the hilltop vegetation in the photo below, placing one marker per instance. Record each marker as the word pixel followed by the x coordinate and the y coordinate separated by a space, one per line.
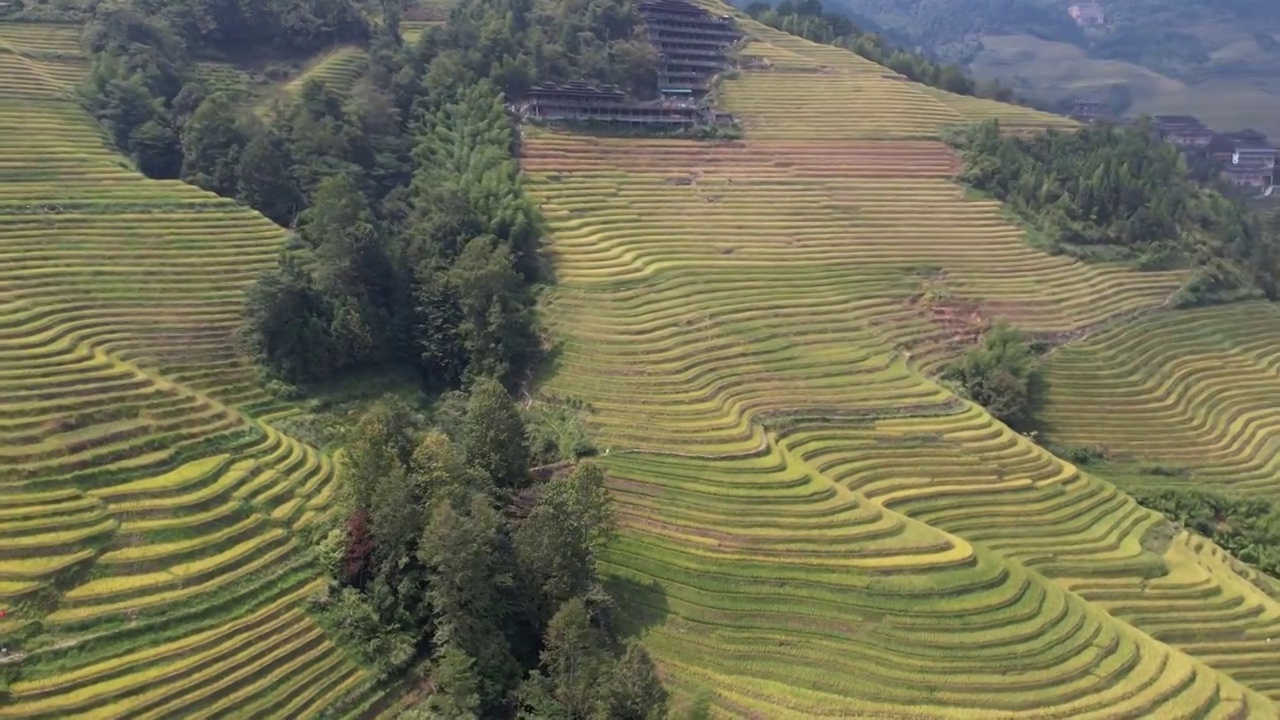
pixel 1107 193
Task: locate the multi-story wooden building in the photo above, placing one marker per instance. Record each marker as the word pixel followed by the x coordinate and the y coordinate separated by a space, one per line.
pixel 692 46
pixel 691 43
pixel 1183 130
pixel 1254 166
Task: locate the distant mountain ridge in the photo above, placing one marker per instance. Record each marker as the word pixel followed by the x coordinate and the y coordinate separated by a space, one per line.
pixel 1148 56
pixel 1167 35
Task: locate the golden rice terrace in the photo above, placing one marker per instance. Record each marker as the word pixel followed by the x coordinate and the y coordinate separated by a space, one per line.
pixel 818 528
pixel 812 526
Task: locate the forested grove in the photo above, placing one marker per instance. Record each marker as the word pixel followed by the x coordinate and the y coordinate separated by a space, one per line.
pixel 1111 193
pixel 414 243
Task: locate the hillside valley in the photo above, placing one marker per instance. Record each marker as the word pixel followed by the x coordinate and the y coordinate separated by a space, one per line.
pixel 1145 56
pixel 675 426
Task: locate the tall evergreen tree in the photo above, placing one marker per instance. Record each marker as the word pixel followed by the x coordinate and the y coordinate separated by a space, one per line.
pixel 493 437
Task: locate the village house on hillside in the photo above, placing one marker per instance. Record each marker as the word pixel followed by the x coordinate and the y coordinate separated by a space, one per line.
pixel 1224 145
pixel 1245 158
pixel 581 102
pixel 1090 110
pixel 691 43
pixel 1183 130
pixel 1251 166
pixel 1087 14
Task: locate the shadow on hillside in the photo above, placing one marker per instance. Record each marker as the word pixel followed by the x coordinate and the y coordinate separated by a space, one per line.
pixel 548 365
pixel 640 605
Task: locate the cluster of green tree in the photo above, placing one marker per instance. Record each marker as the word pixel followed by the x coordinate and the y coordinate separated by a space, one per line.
pixel 222 28
pixel 438 277
pixel 518 43
pixel 443 550
pixel 144 89
pixel 228 28
pixel 1249 529
pixel 807 19
pixel 416 242
pixel 1001 374
pixel 1108 193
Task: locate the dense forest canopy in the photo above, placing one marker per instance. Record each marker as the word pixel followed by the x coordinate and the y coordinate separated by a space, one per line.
pixel 1110 193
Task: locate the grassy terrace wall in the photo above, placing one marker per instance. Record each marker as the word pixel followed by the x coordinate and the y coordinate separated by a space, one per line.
pixel 150 517
pixel 1194 391
pixel 814 527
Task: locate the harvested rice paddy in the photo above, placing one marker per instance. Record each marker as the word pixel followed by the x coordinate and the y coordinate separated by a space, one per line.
pixel 813 526
pixel 151 515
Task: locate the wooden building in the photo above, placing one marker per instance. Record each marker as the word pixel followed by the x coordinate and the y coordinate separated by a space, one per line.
pixel 1252 166
pixel 691 43
pixel 1183 130
pixel 692 46
pixel 1087 14
pixel 1090 110
pixel 581 102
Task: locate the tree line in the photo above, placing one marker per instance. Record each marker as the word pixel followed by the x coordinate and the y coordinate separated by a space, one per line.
pixel 1120 193
pixel 808 20
pixel 443 549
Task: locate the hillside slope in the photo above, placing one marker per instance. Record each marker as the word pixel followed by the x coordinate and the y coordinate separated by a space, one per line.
pixel 153 561
pixel 813 527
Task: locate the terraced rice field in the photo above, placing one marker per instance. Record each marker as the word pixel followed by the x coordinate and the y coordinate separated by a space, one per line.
pixel 1194 390
pixel 337 68
pixel 784 102
pixel 151 558
pixel 813 527
pixel 411 30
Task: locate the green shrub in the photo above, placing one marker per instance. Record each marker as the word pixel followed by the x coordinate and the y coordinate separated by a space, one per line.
pixel 1002 374
pixel 1082 454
